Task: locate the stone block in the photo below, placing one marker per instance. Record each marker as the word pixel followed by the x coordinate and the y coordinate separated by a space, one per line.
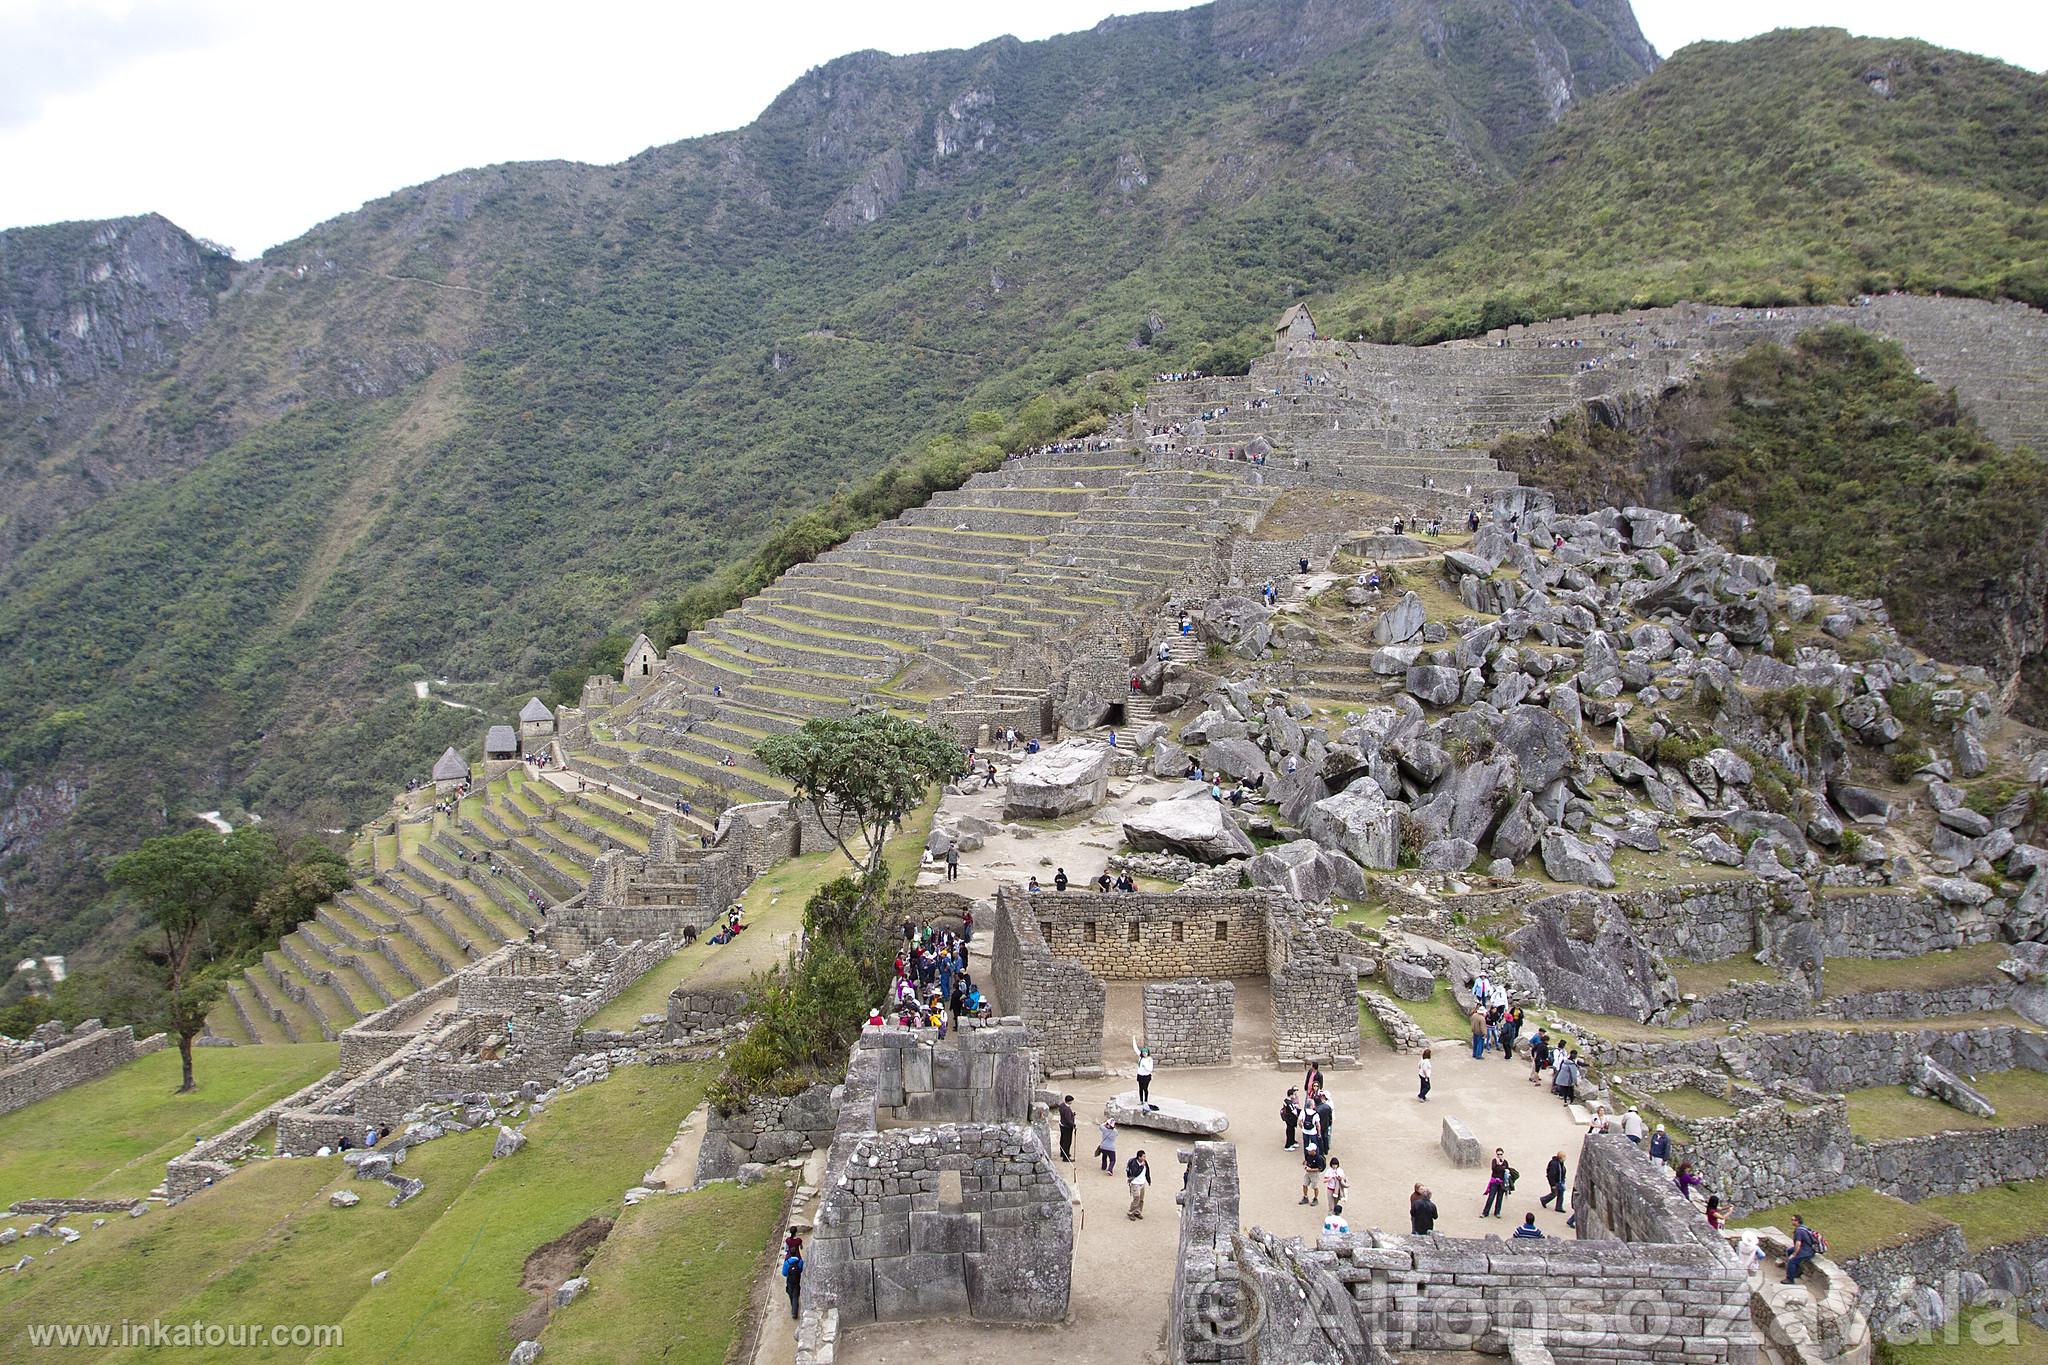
pixel 1166 1115
pixel 1459 1144
pixel 923 1285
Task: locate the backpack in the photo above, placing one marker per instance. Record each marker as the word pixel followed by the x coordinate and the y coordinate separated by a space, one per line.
pixel 1513 1176
pixel 1820 1243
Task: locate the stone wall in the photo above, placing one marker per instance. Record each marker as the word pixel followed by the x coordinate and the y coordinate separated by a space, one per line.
pixel 1189 1023
pixel 1831 1060
pixel 771 1128
pixel 1313 970
pixel 1953 1163
pixel 90 1053
pixel 696 1010
pixel 959 1221
pixel 1898 924
pixel 1208 1301
pixel 1061 1003
pixel 1152 937
pixel 980 1073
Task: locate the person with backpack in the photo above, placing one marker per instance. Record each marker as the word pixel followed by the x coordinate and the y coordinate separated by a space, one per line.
pixel 1806 1244
pixel 1290 1115
pixel 1312 1166
pixel 793 1278
pixel 1139 1173
pixel 1496 1185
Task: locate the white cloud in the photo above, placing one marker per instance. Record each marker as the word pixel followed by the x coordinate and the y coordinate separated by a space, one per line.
pixel 250 120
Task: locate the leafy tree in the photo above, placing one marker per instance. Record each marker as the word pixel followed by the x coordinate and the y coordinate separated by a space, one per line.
pixel 190 887
pixel 315 873
pixel 862 774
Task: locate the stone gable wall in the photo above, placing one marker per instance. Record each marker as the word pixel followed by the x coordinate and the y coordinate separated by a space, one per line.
pixel 1153 937
pixel 962 1221
pixel 1189 1023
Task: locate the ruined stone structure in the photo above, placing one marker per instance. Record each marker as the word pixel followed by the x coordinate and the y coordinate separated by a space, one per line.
pixel 1245 1296
pixel 56 1060
pixel 1053 951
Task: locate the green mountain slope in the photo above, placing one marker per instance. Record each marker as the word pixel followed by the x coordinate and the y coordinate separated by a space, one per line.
pixel 1801 166
pixel 472 427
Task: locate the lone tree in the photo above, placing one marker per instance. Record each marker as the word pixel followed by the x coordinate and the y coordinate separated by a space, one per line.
pixel 862 774
pixel 190 888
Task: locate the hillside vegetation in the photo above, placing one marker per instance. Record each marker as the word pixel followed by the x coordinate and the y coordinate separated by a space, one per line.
pixel 1803 166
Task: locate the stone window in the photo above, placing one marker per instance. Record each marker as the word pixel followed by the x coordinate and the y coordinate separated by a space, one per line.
pixel 1134 931
pixel 1088 931
pixel 1180 931
pixel 1045 929
pixel 1222 931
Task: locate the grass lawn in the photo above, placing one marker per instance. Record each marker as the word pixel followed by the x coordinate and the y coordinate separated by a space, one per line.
pixel 1931 971
pixel 671 1282
pixel 1710 978
pixel 109 1138
pixel 1998 1215
pixel 1353 912
pixel 1370 1032
pixel 1855 1222
pixel 1690 1102
pixel 2020 1097
pixel 266 1245
pixel 1439 1016
pixel 1980 1336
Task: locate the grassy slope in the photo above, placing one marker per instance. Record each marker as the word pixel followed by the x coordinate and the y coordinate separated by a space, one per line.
pixel 109 1138
pixel 267 1240
pixel 672 1280
pixel 1762 172
pixel 1998 1215
pixel 1855 1222
pixel 2020 1097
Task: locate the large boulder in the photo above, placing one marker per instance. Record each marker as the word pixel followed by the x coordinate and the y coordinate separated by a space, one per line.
pixel 1574 860
pixel 1238 758
pixel 1401 622
pixel 1359 821
pixel 1409 980
pixel 1581 947
pixel 1057 781
pixel 1308 872
pixel 1194 825
pixel 1244 623
pixel 1434 684
pixel 1519 831
pixel 1447 855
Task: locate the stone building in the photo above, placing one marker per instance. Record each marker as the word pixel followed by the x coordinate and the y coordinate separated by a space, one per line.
pixel 642 660
pixel 451 770
pixel 536 724
pixel 1295 325
pixel 501 742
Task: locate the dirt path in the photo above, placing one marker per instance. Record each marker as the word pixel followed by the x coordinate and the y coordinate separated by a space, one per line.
pixel 1385 1139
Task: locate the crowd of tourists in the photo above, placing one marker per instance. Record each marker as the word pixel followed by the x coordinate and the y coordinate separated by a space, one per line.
pixel 931 986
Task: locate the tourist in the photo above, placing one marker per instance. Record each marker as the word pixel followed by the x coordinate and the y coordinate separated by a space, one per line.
pixel 1510 1029
pixel 1660 1145
pixel 1311 1170
pixel 1539 1055
pixel 1112 736
pixel 1311 1123
pixel 1603 1122
pixel 1565 1079
pixel 1032 887
pixel 1336 1184
pixel 1139 1173
pixel 1496 1185
pixel 1290 1115
pixel 952 862
pixel 1144 1072
pixel 1105 1147
pixel 1059 879
pixel 1326 1121
pixel 1632 1126
pixel 793 1279
pixel 1688 1179
pixel 1304 563
pixel 1067 1125
pixel 1311 1078
pixel 1478 1033
pixel 1423 1070
pixel 1714 1215
pixel 990 779
pixel 1806 1244
pixel 1421 1212
pixel 1529 1228
pixel 1553 1175
pixel 1103 883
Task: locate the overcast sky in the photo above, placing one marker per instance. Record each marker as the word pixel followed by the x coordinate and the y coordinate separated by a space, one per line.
pixel 248 121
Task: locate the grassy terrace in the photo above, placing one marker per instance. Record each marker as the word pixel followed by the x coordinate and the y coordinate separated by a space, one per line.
pixel 2000 1215
pixel 2021 1098
pixel 109 1138
pixel 1616 1027
pixel 1709 978
pixel 1855 1222
pixel 1933 971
